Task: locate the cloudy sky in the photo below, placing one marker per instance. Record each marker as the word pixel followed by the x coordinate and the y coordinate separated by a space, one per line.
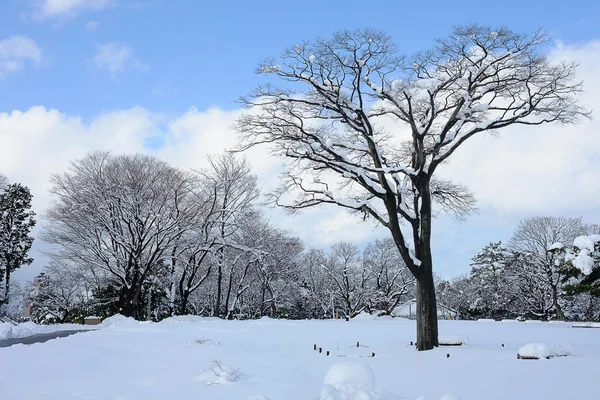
pixel 163 77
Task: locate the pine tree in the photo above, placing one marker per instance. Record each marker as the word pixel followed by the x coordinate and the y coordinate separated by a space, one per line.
pixel 488 274
pixel 16 222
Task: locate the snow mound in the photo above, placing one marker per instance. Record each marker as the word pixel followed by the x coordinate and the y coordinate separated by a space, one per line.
pixel 510 321
pixel 558 323
pixel 543 350
pixel 486 320
pixel 365 316
pixel 452 340
pixel 586 325
pixel 5 331
pixel 351 381
pixel 25 329
pixel 187 318
pixel 118 320
pixel 534 321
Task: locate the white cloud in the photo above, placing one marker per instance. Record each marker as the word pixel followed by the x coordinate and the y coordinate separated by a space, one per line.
pixel 16 52
pixel 91 25
pixel 61 9
pixel 549 169
pixel 116 58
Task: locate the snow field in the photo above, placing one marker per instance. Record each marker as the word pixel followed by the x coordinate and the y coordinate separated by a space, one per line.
pixel 195 358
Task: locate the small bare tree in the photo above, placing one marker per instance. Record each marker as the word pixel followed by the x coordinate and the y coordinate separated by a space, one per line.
pixel 340 94
pixel 391 282
pixel 235 192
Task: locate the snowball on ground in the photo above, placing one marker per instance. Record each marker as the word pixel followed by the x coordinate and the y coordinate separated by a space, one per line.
pixel 452 340
pixel 351 381
pixel 345 374
pixel 544 350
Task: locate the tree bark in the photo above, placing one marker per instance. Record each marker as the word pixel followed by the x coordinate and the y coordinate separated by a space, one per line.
pixel 185 295
pixel 427 321
pixel 221 257
pixel 557 307
pixel 6 299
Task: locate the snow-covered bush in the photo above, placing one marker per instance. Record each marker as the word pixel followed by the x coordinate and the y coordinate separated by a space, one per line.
pixel 579 264
pixel 218 374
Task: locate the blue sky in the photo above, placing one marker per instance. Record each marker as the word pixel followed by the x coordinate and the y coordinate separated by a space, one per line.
pixel 81 75
pixel 203 53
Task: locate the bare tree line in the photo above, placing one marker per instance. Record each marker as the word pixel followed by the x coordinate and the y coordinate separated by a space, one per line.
pixel 132 234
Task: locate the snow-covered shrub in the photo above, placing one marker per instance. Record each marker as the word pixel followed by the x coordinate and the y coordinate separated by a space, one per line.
pixel 218 374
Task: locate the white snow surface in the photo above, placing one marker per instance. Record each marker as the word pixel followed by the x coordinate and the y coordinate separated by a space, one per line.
pixel 10 331
pixel 132 360
pixel 545 350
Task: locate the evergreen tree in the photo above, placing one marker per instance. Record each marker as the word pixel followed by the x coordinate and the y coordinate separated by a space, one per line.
pixel 16 222
pixel 580 265
pixel 492 286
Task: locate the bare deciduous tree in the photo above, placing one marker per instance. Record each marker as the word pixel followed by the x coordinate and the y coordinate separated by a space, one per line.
pixel 236 191
pixel 120 215
pixel 391 282
pixel 366 130
pixel 535 236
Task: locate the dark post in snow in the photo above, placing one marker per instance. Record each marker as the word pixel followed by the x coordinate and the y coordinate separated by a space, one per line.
pixel 371 128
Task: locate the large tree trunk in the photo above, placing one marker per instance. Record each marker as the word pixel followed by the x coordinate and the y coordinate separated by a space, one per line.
pixel 185 296
pixel 128 302
pixel 427 321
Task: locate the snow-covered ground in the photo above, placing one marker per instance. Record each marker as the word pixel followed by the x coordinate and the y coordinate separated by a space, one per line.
pixel 10 331
pixel 205 359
